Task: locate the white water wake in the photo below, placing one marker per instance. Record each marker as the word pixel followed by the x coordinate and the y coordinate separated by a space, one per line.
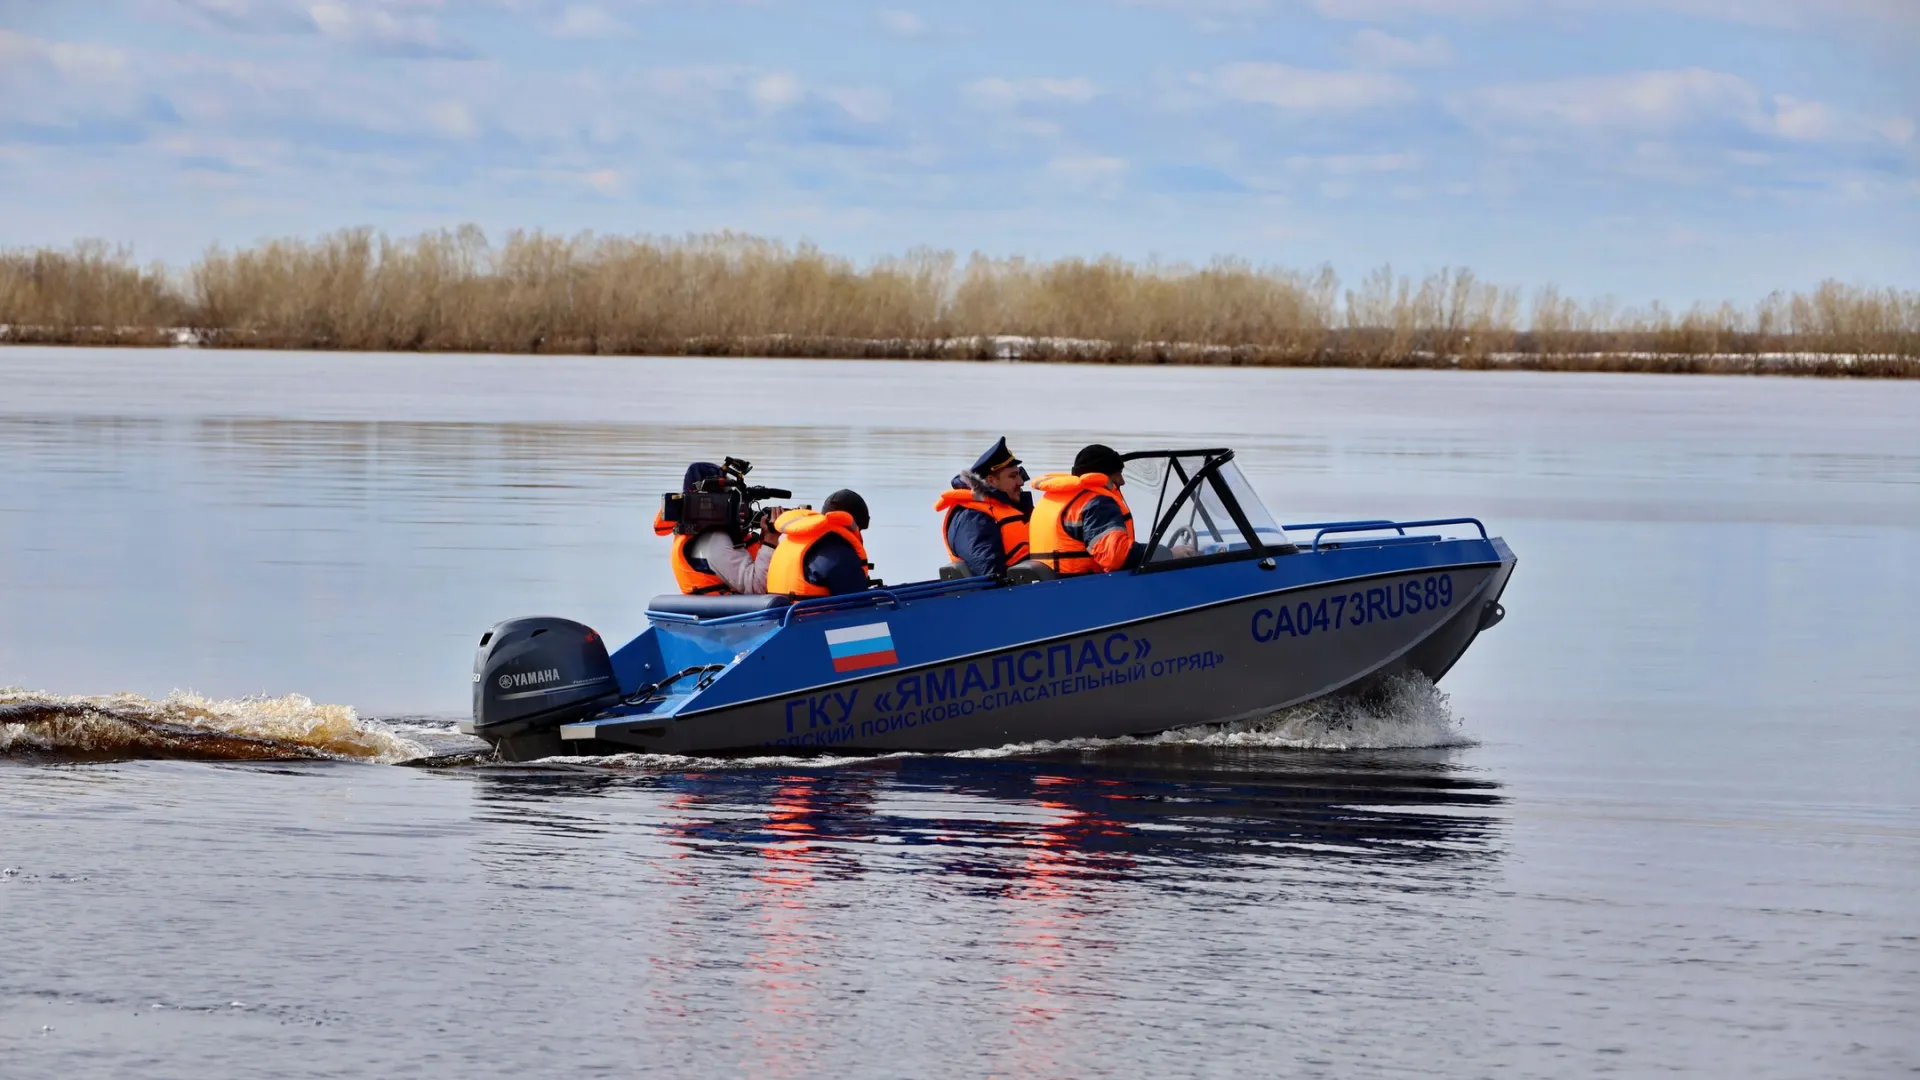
pixel 187 726
pixel 1401 712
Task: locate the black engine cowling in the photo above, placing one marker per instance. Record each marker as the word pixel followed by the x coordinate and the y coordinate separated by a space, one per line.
pixel 537 673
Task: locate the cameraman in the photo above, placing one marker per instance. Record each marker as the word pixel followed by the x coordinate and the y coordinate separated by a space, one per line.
pixel 716 560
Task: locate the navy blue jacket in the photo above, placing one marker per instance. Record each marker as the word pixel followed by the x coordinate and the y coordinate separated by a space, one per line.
pixel 974 537
pixel 832 563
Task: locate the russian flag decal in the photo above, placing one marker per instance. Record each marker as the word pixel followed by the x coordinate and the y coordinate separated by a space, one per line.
pixel 855 648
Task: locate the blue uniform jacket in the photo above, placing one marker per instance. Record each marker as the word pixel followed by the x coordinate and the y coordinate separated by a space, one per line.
pixel 974 537
pixel 831 562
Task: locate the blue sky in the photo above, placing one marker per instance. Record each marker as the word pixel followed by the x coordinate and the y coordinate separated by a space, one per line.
pixel 1649 149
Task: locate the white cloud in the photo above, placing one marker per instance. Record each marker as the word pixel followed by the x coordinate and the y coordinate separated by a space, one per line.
pixel 1390 10
pixel 1354 164
pixel 76 61
pixel 1009 93
pixel 1660 102
pixel 1807 120
pixel 381 28
pixel 869 105
pixel 1088 173
pixel 604 181
pixel 1211 14
pixel 1376 48
pixel 54 82
pixel 452 118
pixel 1643 101
pixel 902 24
pixel 1305 91
pixel 242 16
pixel 1807 14
pixel 777 90
pixel 1214 15
pixel 1812 121
pixel 1811 14
pixel 584 21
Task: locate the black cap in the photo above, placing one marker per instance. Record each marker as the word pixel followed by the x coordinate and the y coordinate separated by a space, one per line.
pixel 995 459
pixel 852 503
pixel 1098 459
pixel 701 471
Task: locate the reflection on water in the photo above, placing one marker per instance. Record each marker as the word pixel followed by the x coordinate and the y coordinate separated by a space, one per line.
pixel 1077 817
pixel 1039 895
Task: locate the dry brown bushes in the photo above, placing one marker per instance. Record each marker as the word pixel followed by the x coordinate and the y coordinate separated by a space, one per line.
pixel 88 293
pixel 740 295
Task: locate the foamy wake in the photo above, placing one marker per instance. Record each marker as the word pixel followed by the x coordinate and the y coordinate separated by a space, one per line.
pixel 1397 713
pixel 189 726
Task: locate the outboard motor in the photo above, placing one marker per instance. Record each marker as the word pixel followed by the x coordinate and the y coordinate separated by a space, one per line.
pixel 534 674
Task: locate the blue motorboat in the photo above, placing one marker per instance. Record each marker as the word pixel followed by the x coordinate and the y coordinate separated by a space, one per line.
pixel 1229 616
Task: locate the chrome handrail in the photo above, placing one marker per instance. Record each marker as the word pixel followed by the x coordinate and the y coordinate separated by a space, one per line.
pixel 1401 526
pixel 873 597
pixel 1380 522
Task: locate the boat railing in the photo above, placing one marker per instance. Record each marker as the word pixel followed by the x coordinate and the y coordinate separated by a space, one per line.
pixel 1381 523
pixel 1326 529
pixel 898 594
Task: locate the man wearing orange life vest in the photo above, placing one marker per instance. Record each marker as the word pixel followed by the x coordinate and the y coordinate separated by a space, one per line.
pixel 714 562
pixel 1081 523
pixel 986 514
pixel 821 553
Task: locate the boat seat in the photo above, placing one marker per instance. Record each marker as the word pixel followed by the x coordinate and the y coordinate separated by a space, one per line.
pixel 954 571
pixel 1026 573
pixel 715 607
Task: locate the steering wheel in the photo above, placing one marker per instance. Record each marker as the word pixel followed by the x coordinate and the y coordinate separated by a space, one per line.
pixel 1184 536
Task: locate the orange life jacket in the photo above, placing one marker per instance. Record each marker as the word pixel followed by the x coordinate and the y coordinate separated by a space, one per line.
pixel 695 578
pixel 1011 519
pixel 1062 499
pixel 799 531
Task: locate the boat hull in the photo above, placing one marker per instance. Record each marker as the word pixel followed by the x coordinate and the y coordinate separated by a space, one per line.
pixel 1225 661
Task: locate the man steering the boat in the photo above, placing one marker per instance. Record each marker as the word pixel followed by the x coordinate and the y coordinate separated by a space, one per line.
pixel 985 527
pixel 1081 522
pixel 717 559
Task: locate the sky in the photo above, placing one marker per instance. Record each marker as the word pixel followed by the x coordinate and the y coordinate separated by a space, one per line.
pixel 1672 150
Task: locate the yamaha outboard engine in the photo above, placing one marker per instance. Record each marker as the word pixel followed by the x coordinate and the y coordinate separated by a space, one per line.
pixel 534 674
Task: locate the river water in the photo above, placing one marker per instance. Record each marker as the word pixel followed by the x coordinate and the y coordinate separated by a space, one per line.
pixel 1663 819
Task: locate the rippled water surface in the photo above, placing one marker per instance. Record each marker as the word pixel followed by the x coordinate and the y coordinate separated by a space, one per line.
pixel 1663 819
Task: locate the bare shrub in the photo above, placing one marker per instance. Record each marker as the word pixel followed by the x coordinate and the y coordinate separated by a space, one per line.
pixel 729 293
pixel 89 292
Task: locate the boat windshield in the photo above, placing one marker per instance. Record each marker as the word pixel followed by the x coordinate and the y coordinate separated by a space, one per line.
pixel 1202 523
pixel 1264 525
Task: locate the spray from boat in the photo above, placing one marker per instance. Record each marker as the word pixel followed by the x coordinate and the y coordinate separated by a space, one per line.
pixel 186 726
pixel 1398 712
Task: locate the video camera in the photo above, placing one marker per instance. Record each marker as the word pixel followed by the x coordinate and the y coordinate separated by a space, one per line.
pixel 725 502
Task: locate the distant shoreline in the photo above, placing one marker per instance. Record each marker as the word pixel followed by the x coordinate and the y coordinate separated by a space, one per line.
pixel 733 295
pixel 1004 349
